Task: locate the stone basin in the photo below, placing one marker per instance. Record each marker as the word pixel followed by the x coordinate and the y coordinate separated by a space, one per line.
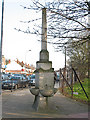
pixel 34 91
pixel 48 92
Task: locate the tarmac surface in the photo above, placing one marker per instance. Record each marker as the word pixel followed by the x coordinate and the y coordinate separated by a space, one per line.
pixel 18 104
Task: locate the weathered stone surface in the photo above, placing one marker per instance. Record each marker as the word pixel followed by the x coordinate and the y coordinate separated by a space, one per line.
pixel 34 91
pixel 44 74
pixel 44 55
pixel 44 30
pixel 44 80
pixel 44 65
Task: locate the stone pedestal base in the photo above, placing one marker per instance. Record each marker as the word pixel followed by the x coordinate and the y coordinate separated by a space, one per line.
pixel 40 103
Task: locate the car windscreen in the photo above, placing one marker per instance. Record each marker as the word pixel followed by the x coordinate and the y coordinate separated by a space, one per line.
pixel 33 76
pixel 15 78
pixel 6 81
pixel 16 74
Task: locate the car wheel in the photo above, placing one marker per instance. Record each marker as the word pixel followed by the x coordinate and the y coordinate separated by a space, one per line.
pixel 16 87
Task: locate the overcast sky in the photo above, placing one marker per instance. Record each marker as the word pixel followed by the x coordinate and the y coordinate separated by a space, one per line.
pixel 16 44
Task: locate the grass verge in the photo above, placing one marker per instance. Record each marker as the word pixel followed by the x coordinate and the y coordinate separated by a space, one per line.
pixel 78 92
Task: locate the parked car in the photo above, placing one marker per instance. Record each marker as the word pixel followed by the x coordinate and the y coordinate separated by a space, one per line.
pixel 58 78
pixel 32 80
pixel 14 82
pixel 10 84
pixel 21 75
pixel 5 76
pixel 28 77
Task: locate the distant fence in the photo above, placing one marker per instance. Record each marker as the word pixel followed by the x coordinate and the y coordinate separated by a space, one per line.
pixel 68 77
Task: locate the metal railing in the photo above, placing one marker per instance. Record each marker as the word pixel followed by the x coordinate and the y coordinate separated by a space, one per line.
pixel 68 78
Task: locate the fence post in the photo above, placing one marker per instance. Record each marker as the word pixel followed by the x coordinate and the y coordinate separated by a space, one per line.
pixel 59 77
pixel 67 76
pixel 62 83
pixel 72 81
pixel 64 74
pixel 80 83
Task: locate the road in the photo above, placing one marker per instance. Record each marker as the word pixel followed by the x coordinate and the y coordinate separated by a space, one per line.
pixel 18 104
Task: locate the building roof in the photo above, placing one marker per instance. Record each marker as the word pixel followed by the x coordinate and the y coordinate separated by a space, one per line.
pixel 13 66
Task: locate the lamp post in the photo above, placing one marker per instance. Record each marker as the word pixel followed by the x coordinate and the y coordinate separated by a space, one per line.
pixel 89 40
pixel 25 59
pixel 1 40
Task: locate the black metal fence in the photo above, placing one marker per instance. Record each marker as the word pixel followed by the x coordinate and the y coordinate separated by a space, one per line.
pixel 68 77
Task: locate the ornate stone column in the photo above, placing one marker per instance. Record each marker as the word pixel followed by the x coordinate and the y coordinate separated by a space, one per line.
pixel 44 74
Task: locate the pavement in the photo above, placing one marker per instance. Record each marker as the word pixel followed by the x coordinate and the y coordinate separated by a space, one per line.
pixel 18 104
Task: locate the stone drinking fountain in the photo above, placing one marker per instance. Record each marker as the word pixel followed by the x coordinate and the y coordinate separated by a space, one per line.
pixel 44 74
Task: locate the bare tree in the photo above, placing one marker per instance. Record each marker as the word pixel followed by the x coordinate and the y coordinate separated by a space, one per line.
pixel 78 58
pixel 65 19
